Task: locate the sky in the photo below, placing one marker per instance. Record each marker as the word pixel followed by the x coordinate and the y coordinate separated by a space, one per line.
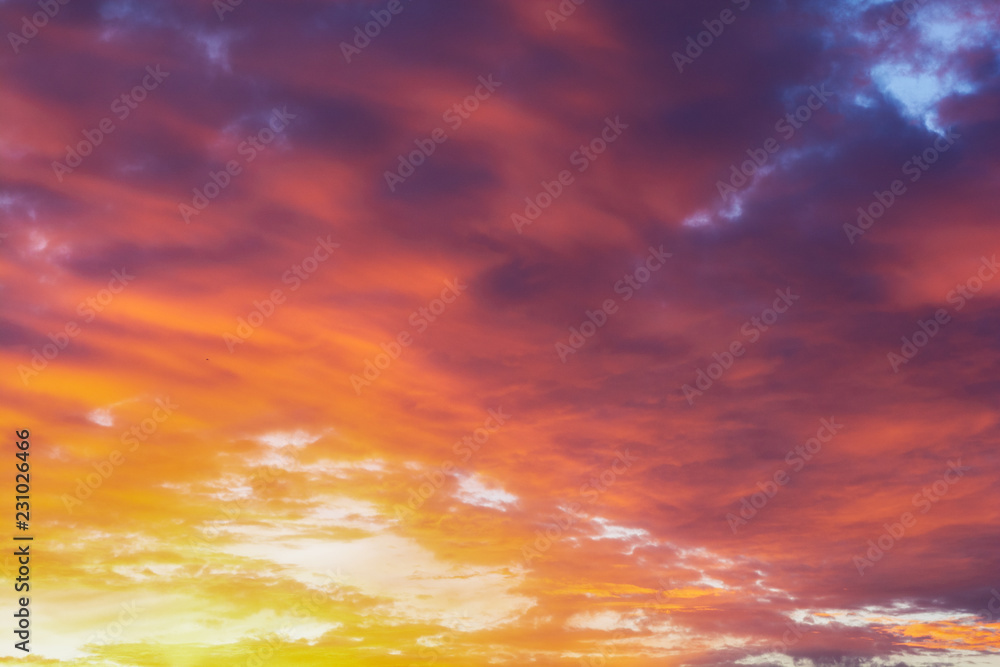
pixel 436 332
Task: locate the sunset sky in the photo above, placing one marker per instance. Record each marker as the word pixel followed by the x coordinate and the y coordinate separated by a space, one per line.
pixel 621 334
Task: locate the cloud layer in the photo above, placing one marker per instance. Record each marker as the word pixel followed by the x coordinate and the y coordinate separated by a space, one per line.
pixel 382 333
